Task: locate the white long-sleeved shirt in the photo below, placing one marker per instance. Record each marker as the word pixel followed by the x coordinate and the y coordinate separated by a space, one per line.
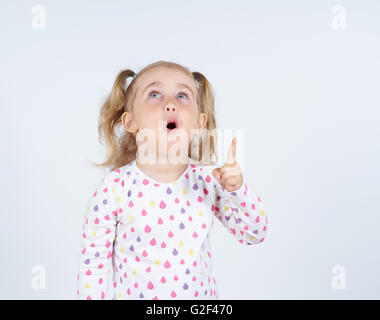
pixel 155 235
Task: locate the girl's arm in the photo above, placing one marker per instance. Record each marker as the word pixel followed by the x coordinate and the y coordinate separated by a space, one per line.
pixel 95 259
pixel 241 212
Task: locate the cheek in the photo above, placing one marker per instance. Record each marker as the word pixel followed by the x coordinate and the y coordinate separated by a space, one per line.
pixel 190 116
pixel 191 125
pixel 149 116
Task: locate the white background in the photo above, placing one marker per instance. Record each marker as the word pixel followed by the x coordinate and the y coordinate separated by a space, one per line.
pixel 306 96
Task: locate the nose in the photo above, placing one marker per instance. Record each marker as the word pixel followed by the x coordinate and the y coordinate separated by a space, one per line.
pixel 170 108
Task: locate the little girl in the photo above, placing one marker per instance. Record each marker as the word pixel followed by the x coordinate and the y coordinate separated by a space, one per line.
pixel 153 219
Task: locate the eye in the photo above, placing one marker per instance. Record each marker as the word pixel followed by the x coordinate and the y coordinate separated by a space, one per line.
pixel 152 93
pixel 182 93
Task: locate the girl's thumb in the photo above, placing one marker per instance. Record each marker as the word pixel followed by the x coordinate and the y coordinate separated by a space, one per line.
pixel 216 174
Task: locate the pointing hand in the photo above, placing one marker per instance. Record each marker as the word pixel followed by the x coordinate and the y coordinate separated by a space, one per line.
pixel 230 175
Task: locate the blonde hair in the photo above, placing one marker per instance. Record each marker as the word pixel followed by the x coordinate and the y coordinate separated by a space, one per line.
pixel 121 150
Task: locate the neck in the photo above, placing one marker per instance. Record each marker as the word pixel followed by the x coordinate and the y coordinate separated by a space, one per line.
pixel 164 172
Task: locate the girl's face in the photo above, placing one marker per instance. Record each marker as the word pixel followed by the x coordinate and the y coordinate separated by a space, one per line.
pixel 164 95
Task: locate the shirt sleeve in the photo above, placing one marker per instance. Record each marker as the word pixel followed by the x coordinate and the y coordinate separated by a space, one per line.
pixel 95 258
pixel 241 212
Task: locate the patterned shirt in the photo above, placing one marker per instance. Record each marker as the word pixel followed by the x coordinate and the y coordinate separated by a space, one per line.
pixel 154 236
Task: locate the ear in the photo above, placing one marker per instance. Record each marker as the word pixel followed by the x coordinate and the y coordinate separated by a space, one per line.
pixel 128 122
pixel 202 120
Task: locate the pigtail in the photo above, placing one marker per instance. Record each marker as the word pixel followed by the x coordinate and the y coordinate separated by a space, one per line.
pixel 110 120
pixel 205 100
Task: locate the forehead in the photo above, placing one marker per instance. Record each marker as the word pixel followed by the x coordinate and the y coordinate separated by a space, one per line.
pixel 167 76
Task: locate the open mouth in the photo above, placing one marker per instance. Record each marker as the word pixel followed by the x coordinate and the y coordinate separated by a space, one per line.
pixel 171 125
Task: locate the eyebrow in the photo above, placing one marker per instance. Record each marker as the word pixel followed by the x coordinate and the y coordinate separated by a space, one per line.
pixel 157 83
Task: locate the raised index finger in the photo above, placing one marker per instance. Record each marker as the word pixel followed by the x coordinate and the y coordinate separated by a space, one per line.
pixel 231 157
